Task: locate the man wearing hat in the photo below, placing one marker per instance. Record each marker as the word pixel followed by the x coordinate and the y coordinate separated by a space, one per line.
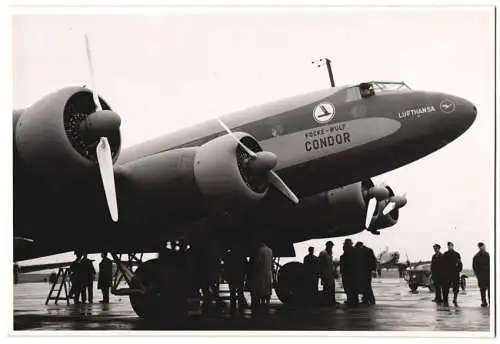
pixel 452 265
pixel 437 273
pixel 327 274
pixel 481 267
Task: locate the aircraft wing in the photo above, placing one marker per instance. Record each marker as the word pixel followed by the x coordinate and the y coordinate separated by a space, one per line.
pixel 40 267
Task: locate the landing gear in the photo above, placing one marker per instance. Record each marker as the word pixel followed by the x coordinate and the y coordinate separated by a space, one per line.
pixel 156 289
pixel 163 291
pixel 291 282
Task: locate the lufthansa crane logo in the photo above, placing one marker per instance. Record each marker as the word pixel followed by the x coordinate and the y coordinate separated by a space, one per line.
pixel 323 112
pixel 447 106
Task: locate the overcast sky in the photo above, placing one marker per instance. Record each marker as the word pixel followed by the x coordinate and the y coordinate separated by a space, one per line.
pixel 169 70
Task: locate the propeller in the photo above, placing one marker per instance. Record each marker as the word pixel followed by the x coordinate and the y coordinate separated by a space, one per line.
pixel 264 162
pixel 98 125
pixel 374 194
pixel 394 202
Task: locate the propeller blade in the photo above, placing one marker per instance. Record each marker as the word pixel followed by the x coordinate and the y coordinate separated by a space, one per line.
pixel 370 211
pixel 389 207
pixel 279 184
pixel 91 69
pixel 105 161
pixel 248 150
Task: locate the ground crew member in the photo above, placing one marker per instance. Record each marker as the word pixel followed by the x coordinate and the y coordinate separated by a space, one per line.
pixel 235 266
pixel 348 270
pixel 75 276
pixel 311 263
pixel 105 277
pixel 437 273
pixel 262 277
pixel 208 264
pixel 87 278
pixel 401 270
pixel 481 267
pixel 367 264
pixel 327 273
pixel 452 266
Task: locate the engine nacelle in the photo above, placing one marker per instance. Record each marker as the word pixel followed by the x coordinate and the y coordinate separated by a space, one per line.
pixel 223 176
pixel 338 212
pixel 46 136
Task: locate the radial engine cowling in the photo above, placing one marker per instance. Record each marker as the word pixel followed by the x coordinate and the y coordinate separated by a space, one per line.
pixel 224 176
pixel 348 206
pixel 50 138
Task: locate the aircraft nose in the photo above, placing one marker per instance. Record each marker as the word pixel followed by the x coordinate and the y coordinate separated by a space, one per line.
pixel 459 113
pixel 468 114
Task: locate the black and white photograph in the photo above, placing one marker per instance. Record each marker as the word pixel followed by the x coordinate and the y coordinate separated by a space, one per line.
pixel 323 170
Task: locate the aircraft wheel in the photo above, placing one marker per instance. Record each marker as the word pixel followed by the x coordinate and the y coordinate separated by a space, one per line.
pixel 290 287
pixel 165 292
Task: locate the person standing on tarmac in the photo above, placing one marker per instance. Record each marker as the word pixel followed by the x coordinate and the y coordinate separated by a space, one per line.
pixel 348 271
pixel 452 266
pixel 87 275
pixel 481 267
pixel 262 277
pixel 235 266
pixel 311 263
pixel 105 277
pixel 367 264
pixel 76 278
pixel 327 273
pixel 437 273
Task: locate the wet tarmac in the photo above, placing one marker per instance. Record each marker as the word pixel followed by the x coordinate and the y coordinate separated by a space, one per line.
pixel 397 309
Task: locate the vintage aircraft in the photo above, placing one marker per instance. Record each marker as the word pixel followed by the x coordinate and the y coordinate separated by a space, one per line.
pixel 283 172
pixel 388 259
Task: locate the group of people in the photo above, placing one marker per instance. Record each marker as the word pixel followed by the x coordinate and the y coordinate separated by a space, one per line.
pixel 255 274
pixel 446 268
pixel 357 264
pixel 82 275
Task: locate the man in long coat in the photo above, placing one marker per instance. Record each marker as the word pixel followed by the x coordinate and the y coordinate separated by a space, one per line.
pixel 105 277
pixel 262 279
pixel 481 267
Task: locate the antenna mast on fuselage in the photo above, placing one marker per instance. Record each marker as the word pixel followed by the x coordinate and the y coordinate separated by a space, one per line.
pixel 327 62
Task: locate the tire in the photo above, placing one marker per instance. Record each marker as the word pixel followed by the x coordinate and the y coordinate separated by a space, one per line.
pixel 290 286
pixel 165 295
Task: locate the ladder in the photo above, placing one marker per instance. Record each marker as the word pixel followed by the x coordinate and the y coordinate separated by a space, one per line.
pixel 65 284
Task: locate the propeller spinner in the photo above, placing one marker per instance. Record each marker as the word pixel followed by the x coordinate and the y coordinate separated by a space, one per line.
pixel 394 202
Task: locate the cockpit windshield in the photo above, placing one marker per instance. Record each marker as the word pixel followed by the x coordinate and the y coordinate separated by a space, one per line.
pixel 371 88
pixel 388 86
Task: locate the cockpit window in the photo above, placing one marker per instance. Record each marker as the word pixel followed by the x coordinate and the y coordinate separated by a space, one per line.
pixel 389 86
pixel 371 88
